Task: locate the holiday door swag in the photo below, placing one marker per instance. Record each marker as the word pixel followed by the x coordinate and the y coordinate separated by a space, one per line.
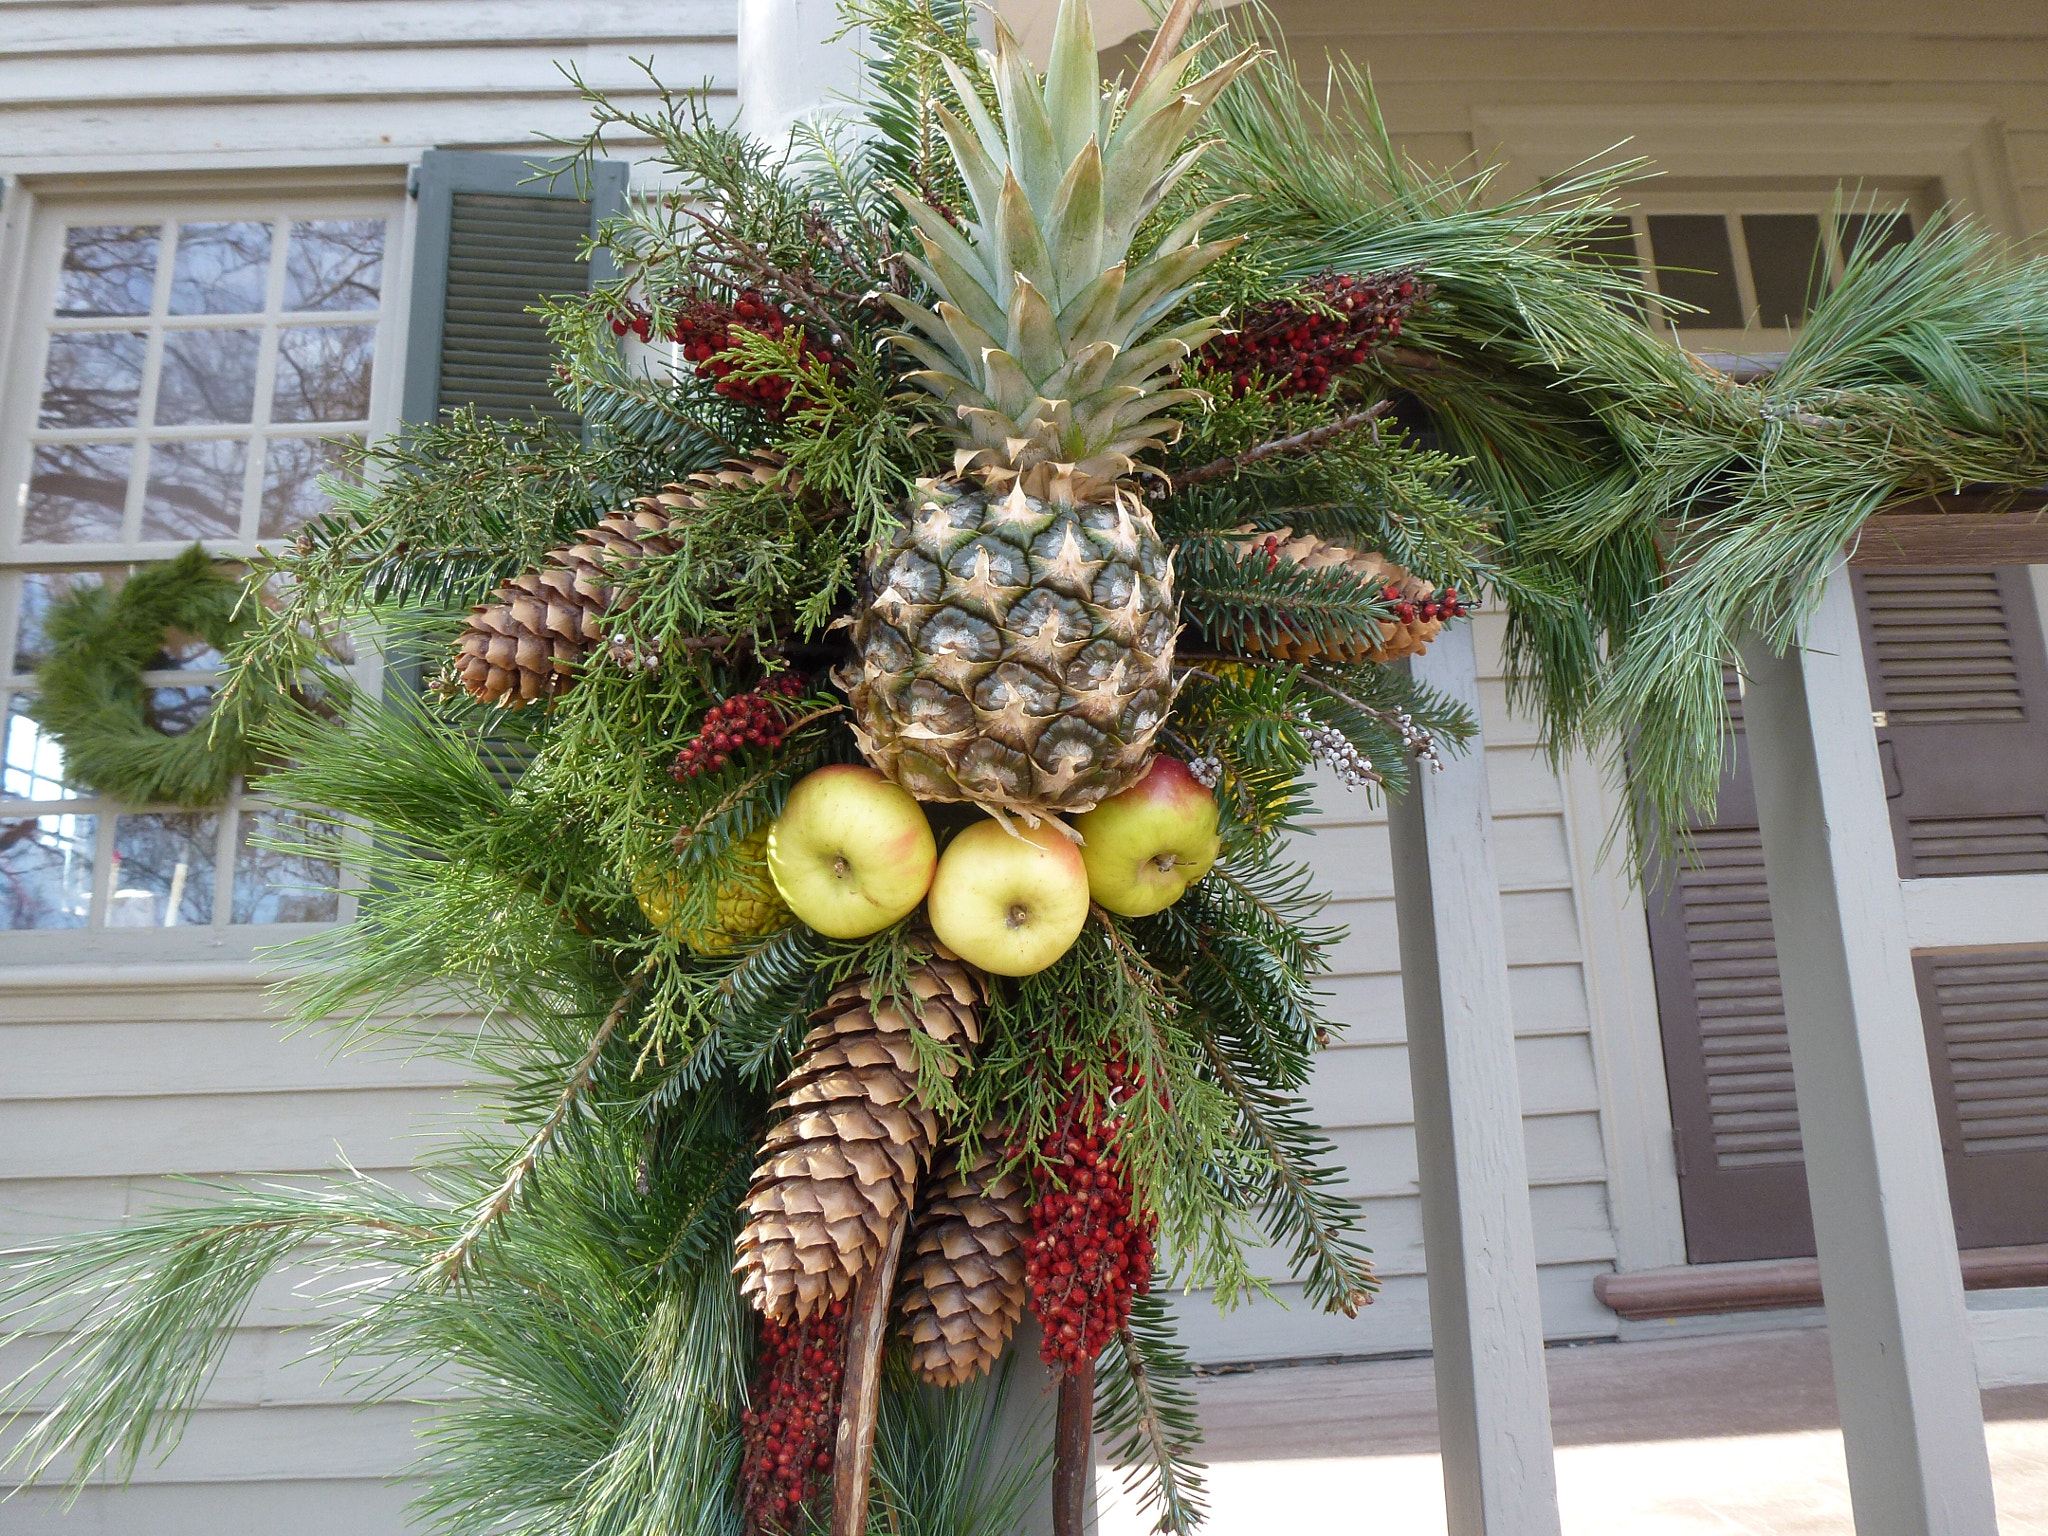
pixel 855 793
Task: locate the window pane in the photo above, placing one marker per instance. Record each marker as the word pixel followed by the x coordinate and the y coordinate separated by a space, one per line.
pixel 76 493
pixel 181 652
pixel 195 489
pixel 220 269
pixel 334 264
pixel 174 711
pixel 1696 265
pixel 163 870
pixel 1785 264
pixel 38 590
pixel 279 877
pixel 109 269
pixel 46 871
pixel 207 377
pixel 1872 234
pixel 34 762
pixel 93 379
pixel 291 480
pixel 323 373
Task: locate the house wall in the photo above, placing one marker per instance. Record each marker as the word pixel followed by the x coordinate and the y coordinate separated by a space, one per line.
pixel 1583 1011
pixel 89 87
pixel 1444 72
pixel 112 1078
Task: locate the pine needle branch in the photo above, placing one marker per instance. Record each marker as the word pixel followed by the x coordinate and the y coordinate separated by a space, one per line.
pixel 450 1263
pixel 1333 1266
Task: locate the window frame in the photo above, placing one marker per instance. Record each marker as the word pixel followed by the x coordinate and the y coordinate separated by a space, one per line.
pixel 1755 346
pixel 31 251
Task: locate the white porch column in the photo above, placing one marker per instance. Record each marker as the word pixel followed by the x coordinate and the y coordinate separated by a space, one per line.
pixel 1486 1323
pixel 1905 1378
pixel 788 71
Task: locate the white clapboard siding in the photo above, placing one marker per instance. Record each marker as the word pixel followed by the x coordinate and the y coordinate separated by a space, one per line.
pixel 1361 1092
pixel 157 85
pixel 115 1081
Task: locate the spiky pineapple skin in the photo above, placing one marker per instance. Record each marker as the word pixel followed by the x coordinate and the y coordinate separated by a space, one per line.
pixel 1015 650
pixel 746 905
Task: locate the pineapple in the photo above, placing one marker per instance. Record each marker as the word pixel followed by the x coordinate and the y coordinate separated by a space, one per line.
pixel 1015 645
pixel 745 905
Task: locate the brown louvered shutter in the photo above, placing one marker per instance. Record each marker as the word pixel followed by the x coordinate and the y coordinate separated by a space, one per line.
pixel 1958 670
pixel 1987 1028
pixel 1960 674
pixel 1742 1187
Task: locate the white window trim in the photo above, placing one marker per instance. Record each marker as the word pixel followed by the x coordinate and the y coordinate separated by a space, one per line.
pixel 1961 150
pixel 28 201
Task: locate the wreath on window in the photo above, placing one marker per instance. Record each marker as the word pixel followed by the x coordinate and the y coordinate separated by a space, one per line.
pixel 94 701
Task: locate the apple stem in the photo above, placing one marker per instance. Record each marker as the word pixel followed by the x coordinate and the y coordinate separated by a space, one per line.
pixel 860 1391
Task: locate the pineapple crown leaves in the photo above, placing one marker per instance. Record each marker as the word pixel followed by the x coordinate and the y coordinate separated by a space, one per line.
pixel 1038 339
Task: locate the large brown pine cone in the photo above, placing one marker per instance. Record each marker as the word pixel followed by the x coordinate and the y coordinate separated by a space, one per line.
pixel 1318 554
pixel 850 1140
pixel 962 1289
pixel 524 645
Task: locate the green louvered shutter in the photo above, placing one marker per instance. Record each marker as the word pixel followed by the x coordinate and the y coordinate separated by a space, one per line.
pixel 491 243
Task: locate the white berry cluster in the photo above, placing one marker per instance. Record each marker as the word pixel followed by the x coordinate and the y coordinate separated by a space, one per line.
pixel 1326 744
pixel 1418 742
pixel 1206 771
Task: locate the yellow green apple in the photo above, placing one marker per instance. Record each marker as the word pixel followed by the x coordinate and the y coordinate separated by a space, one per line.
pixel 1010 901
pixel 1145 847
pixel 851 852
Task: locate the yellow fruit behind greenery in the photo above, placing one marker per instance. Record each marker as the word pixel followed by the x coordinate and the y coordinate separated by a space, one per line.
pixel 745 905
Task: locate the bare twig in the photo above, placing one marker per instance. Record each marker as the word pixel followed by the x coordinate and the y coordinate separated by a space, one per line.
pixel 860 1388
pixel 1072 1459
pixel 801 286
pixel 1300 442
pixel 452 1261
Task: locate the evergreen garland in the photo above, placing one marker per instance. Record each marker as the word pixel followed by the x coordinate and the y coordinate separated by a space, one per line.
pixel 1523 437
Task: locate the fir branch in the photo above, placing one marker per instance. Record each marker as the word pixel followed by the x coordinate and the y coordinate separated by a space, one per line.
pixel 1298 442
pixel 1299 1199
pixel 1146 1417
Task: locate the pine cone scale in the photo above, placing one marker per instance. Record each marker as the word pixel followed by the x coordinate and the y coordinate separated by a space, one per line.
pixel 524 645
pixel 962 1289
pixel 849 1139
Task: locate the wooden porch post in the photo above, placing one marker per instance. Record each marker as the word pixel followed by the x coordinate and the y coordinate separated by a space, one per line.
pixel 1486 1323
pixel 1905 1376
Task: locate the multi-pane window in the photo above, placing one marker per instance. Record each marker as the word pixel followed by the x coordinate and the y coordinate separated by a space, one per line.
pixel 1751 266
pixel 178 374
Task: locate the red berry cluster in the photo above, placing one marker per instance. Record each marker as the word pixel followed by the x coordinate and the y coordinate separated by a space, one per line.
pixel 635 319
pixel 786 1436
pixel 705 329
pixel 1444 605
pixel 1299 351
pixel 757 719
pixel 1090 1251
